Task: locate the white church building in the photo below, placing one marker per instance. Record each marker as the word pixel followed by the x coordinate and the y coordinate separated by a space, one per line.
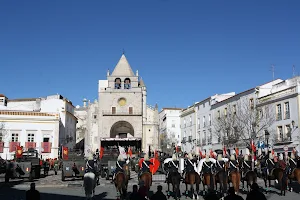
pixel 121 115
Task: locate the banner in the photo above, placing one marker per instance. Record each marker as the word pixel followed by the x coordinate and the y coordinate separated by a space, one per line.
pixel 237 151
pixel 19 152
pixel 130 152
pixel 101 152
pixel 65 153
pixel 224 151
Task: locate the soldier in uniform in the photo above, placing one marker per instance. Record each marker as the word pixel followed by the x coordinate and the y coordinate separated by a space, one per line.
pixel 145 165
pixel 220 164
pixel 270 163
pixel 233 164
pixel 173 165
pixel 207 165
pixel 246 165
pixel 189 164
pixel 292 163
pixel 119 165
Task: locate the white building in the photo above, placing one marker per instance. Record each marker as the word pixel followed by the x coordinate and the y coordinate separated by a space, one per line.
pixel 43 123
pixel 121 115
pixel 169 127
pixel 188 129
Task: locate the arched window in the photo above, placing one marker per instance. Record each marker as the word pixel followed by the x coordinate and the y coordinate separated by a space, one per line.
pixel 117 83
pixel 127 83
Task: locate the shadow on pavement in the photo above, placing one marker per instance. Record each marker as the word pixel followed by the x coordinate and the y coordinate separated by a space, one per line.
pixel 11 193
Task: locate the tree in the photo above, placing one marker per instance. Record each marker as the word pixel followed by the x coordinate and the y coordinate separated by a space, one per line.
pixel 243 122
pixel 167 141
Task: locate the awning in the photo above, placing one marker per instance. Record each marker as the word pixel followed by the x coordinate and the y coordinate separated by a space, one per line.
pixel 121 139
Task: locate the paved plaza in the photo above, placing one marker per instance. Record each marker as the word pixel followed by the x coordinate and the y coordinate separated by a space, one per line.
pixel 52 187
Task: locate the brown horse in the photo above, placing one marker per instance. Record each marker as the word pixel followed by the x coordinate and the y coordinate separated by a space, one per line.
pixel 146 178
pixel 127 174
pixel 235 178
pixel 221 178
pixel 295 175
pixel 192 178
pixel 208 180
pixel 279 175
pixel 120 183
pixel 250 178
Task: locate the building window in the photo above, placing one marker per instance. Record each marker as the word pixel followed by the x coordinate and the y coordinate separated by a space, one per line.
pixel 204 105
pixel 209 139
pixel 288 131
pixel 209 119
pixel 15 137
pixel 204 138
pixel 173 123
pixel 30 137
pixel 184 123
pixel 117 83
pixel 95 116
pixel 46 139
pixel 225 112
pixel 113 110
pixel 234 109
pixel 278 112
pixel 286 110
pixel 127 83
pixel 198 122
pixel 219 114
pixel 130 110
pixel 280 133
pixel 251 103
pixel 204 121
pixel 1 140
pixel 190 120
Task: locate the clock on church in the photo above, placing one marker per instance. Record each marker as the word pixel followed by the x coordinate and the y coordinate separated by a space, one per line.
pixel 122 101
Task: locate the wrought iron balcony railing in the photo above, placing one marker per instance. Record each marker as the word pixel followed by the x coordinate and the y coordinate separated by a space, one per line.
pixel 283 139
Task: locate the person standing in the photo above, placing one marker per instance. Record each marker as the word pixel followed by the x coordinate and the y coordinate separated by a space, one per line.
pixel 32 194
pixel 232 195
pixel 159 195
pixel 255 193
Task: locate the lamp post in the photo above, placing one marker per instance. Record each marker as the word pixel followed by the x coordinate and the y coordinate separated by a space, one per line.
pixel 267 134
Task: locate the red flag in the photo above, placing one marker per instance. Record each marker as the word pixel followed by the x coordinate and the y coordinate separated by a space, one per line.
pixel 236 151
pixel 176 148
pixel 224 151
pixel 200 153
pixel 19 152
pixel 129 152
pixel 253 146
pixel 65 153
pixel 101 152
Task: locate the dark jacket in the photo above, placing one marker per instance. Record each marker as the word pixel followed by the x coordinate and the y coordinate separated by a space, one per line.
pixel 119 166
pixel 158 196
pixel 90 166
pixel 233 165
pixel 219 165
pixel 173 166
pixel 245 167
pixel 146 166
pixel 33 195
pixel 189 165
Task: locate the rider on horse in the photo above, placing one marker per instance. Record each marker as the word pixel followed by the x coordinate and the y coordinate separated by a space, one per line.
pixel 220 164
pixel 270 163
pixel 173 165
pixel 292 163
pixel 90 165
pixel 233 164
pixel 246 165
pixel 207 165
pixel 189 164
pixel 119 166
pixel 145 165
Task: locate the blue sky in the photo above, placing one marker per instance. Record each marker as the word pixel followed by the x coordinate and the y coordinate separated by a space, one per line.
pixel 185 50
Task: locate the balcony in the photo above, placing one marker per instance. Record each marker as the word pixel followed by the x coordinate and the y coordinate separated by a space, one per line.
pixel 46 147
pixel 287 115
pixel 283 139
pixel 121 113
pixel 279 116
pixel 1 147
pixel 29 145
pixel 13 146
pixel 190 139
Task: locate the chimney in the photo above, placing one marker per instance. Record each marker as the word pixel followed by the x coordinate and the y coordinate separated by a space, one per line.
pixel 84 102
pixel 137 73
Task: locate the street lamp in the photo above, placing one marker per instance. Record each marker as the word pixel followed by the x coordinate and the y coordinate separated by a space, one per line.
pixel 267 135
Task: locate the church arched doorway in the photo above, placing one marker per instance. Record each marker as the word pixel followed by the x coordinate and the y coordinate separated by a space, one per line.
pixel 121 129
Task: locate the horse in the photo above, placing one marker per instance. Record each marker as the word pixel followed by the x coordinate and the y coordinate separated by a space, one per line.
pixel 174 178
pixel 192 178
pixel 126 169
pixel 235 178
pixel 295 175
pixel 89 184
pixel 146 179
pixel 121 185
pixel 221 178
pixel 250 178
pixel 279 175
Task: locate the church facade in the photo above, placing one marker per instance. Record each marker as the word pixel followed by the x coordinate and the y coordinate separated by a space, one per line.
pixel 121 115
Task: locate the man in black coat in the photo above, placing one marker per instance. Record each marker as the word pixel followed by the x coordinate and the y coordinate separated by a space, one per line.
pixel 32 194
pixel 255 193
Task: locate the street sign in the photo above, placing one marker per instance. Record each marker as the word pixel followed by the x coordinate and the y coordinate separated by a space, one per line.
pixel 285 148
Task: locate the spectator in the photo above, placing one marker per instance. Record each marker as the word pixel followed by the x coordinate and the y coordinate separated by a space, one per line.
pixel 232 195
pixel 159 195
pixel 255 193
pixel 211 195
pixel 142 190
pixel 32 194
pixel 134 195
